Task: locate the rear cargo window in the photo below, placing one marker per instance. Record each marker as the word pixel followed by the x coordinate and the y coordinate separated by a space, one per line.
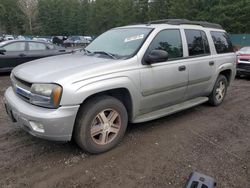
pixel 222 42
pixel 197 42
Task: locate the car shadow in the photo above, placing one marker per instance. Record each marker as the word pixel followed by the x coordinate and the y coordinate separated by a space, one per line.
pixel 4 74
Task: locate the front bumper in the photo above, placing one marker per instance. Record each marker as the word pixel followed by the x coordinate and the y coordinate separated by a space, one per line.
pixel 243 72
pixel 57 124
pixel 243 68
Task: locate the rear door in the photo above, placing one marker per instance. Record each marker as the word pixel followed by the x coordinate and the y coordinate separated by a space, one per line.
pixel 165 83
pixel 200 64
pixel 15 54
pixel 37 50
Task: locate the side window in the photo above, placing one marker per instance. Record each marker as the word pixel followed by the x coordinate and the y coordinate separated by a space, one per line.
pixel 222 42
pixel 51 46
pixel 13 47
pixel 36 46
pixel 197 42
pixel 169 41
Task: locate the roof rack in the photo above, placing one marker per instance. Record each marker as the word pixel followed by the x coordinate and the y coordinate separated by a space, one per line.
pixel 185 21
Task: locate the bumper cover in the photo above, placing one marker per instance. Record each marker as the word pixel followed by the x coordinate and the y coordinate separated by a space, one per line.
pixel 243 72
pixel 57 123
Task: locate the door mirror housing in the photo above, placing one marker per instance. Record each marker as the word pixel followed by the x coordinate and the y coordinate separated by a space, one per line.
pixel 2 50
pixel 156 56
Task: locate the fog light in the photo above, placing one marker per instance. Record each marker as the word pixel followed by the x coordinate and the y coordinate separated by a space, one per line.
pixel 38 127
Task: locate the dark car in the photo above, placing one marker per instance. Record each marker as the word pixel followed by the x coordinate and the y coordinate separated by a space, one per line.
pixel 73 41
pixel 243 65
pixel 13 53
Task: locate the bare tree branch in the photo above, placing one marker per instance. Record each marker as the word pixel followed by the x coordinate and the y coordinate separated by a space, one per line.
pixel 29 9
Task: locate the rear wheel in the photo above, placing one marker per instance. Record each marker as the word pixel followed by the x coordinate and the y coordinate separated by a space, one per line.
pixel 101 124
pixel 219 91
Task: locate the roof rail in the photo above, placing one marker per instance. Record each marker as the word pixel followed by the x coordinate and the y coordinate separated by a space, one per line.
pixel 185 21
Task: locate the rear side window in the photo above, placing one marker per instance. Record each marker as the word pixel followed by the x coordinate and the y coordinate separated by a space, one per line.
pixel 197 42
pixel 36 46
pixel 169 41
pixel 222 42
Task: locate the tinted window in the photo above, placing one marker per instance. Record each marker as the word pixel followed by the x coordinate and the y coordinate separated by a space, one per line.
pixel 222 42
pixel 17 46
pixel 169 41
pixel 197 42
pixel 36 46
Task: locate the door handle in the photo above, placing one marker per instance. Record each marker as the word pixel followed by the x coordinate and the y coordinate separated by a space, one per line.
pixel 182 68
pixel 211 63
pixel 22 55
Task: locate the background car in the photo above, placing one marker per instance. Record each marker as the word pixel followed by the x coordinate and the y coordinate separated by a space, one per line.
pixel 243 62
pixel 73 41
pixel 42 39
pixel 9 37
pixel 16 52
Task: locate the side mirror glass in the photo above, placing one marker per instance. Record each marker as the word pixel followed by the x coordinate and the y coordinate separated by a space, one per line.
pixel 2 50
pixel 156 56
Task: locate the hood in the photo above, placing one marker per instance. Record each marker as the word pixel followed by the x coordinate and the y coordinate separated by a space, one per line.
pixel 58 68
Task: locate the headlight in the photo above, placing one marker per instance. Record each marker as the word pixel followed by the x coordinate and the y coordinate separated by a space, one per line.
pixel 46 95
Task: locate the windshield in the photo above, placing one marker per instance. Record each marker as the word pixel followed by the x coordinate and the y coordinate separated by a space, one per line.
pixel 122 43
pixel 245 50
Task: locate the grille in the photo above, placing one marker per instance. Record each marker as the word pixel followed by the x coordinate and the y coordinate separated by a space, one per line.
pixel 247 60
pixel 21 88
pixel 243 66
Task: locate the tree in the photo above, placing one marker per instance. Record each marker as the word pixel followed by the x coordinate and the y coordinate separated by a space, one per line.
pixel 29 9
pixel 92 17
pixel 11 17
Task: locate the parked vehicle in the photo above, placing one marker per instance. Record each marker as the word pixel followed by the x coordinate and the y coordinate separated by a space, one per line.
pixel 42 39
pixel 9 37
pixel 72 41
pixel 132 74
pixel 243 64
pixel 16 52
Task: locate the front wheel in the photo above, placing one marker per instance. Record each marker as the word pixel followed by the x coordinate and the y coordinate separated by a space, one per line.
pixel 219 91
pixel 101 124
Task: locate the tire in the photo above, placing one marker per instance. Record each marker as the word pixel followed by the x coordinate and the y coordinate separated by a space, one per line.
pixel 100 124
pixel 219 91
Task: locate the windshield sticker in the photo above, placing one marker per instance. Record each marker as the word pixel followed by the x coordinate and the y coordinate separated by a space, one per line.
pixel 137 37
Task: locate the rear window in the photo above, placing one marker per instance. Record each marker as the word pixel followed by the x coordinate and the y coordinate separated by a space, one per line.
pixel 222 42
pixel 197 42
pixel 36 46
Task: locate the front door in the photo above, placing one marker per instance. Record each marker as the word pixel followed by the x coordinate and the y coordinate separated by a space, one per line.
pixel 15 55
pixel 164 84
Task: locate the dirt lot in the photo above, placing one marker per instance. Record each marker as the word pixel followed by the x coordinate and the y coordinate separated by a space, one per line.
pixel 161 153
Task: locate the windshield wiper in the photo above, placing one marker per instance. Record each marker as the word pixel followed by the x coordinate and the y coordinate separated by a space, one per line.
pixel 83 49
pixel 80 50
pixel 105 53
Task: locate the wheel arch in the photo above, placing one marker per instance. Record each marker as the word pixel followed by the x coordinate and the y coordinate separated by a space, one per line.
pixel 228 74
pixel 122 94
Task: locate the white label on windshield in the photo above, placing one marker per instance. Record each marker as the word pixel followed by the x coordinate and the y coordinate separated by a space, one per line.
pixel 138 37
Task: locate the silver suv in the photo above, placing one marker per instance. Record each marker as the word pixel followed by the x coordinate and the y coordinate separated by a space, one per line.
pixel 132 74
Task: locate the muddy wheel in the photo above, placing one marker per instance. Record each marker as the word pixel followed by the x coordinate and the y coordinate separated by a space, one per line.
pixel 101 124
pixel 219 91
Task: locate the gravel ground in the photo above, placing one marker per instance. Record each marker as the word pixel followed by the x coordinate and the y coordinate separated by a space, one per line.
pixel 161 153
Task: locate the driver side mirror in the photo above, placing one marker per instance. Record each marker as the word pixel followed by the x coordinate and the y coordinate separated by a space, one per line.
pixel 156 56
pixel 2 51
